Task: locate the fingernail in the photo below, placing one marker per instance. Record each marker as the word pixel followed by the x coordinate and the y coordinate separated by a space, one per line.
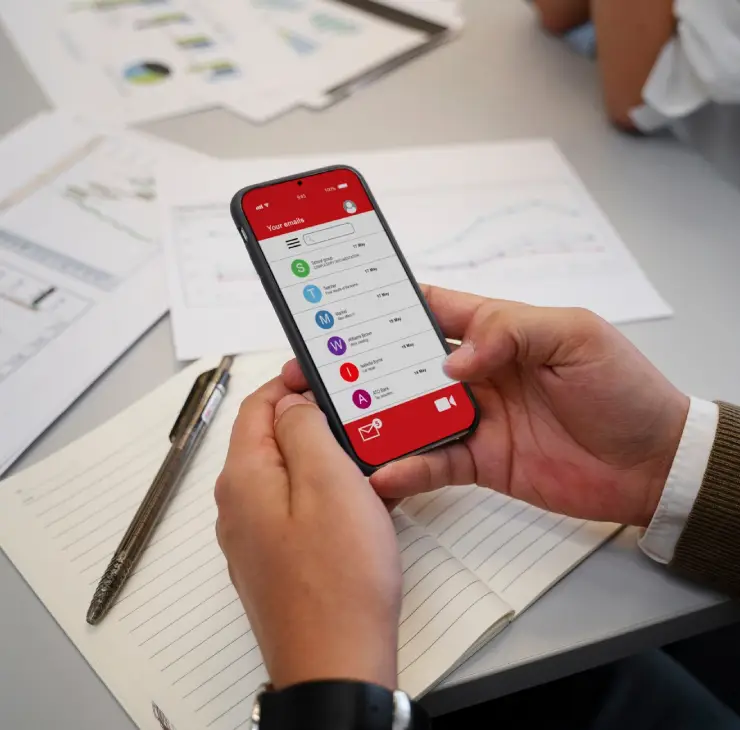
pixel 289 365
pixel 308 395
pixel 286 403
pixel 461 359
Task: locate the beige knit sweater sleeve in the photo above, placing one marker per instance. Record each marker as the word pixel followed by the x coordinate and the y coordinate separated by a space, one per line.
pixel 709 547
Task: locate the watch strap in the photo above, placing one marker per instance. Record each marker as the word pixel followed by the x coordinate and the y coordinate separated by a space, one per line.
pixel 338 705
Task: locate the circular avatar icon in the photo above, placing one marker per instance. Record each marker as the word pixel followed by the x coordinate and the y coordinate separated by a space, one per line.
pixel 350 206
pixel 337 346
pixel 300 268
pixel 312 293
pixel 324 319
pixel 349 372
pixel 361 398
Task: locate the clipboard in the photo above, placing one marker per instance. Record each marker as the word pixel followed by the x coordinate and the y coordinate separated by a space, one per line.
pixel 435 32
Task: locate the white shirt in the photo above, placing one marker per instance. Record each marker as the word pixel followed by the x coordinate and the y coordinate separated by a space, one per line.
pixel 684 481
pixel 700 64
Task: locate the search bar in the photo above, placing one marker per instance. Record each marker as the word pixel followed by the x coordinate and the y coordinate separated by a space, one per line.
pixel 328 234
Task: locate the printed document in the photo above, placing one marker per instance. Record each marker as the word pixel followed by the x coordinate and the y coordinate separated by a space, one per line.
pixel 508 220
pixel 81 274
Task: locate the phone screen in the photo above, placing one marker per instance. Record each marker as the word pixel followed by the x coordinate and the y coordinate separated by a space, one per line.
pixel 363 322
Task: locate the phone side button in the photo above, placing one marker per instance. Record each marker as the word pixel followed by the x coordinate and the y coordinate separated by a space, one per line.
pixel 244 235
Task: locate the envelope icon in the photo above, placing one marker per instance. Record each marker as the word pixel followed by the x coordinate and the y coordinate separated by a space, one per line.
pixel 371 430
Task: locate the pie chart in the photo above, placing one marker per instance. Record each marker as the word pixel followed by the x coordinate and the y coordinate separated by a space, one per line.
pixel 148 72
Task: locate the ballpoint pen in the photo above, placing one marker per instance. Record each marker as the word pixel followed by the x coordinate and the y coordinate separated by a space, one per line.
pixel 187 433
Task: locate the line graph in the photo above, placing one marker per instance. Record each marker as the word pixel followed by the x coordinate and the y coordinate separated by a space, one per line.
pixel 534 227
pixel 537 240
pixel 108 198
pixel 454 230
pixel 100 199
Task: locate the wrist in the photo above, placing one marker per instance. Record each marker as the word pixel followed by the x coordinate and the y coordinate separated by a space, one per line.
pixel 671 428
pixel 362 661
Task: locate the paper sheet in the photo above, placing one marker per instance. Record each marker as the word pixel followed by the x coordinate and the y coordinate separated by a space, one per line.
pixel 505 220
pixel 331 43
pixel 80 264
pixel 133 60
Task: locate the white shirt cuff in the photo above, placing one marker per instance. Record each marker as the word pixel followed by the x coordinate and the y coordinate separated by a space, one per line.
pixel 683 483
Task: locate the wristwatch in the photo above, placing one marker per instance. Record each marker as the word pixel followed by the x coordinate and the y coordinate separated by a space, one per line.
pixel 336 705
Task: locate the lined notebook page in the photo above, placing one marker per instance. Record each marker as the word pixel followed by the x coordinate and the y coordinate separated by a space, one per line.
pixel 177 635
pixel 519 551
pixel 446 613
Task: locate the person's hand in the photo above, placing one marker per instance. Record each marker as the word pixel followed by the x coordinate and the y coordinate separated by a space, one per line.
pixel 310 546
pixel 573 418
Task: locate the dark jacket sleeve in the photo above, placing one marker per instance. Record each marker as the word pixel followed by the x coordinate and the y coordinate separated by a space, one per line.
pixel 709 547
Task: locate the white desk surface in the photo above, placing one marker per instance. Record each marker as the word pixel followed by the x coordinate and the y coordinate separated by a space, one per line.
pixel 501 80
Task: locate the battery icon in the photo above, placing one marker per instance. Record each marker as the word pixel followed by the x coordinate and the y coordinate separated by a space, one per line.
pixel 342 186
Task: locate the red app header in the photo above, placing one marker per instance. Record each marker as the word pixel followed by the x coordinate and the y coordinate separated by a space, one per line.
pixel 276 210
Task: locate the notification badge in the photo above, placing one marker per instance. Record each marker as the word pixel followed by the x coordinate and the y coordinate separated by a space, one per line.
pixel 349 372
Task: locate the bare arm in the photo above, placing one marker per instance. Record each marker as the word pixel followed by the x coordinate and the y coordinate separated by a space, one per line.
pixel 630 36
pixel 560 16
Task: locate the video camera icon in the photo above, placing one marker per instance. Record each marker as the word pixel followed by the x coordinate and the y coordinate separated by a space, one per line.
pixel 371 430
pixel 445 404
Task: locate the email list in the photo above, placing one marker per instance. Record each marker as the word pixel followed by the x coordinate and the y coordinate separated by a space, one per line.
pixel 367 331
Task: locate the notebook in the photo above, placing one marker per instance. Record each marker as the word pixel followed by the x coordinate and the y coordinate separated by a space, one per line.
pixel 176 650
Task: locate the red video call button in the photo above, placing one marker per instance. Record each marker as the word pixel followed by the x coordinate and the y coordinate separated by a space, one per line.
pixel 402 429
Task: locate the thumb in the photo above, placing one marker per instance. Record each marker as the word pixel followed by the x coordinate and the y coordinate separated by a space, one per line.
pixel 307 444
pixel 506 333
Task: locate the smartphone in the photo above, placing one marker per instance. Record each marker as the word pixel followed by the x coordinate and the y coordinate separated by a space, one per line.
pixel 355 317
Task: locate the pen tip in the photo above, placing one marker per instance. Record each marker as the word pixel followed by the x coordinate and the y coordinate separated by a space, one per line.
pixel 95 613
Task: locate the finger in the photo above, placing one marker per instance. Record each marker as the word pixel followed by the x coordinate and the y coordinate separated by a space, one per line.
pixel 407 477
pixel 253 427
pixel 453 310
pixel 391 504
pixel 502 334
pixel 310 451
pixel 289 401
pixel 252 449
pixel 293 376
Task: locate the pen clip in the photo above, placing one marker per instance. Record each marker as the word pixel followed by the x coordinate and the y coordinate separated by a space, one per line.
pixel 190 408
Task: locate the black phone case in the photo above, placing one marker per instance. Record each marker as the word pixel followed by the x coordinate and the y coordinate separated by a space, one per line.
pixel 291 329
